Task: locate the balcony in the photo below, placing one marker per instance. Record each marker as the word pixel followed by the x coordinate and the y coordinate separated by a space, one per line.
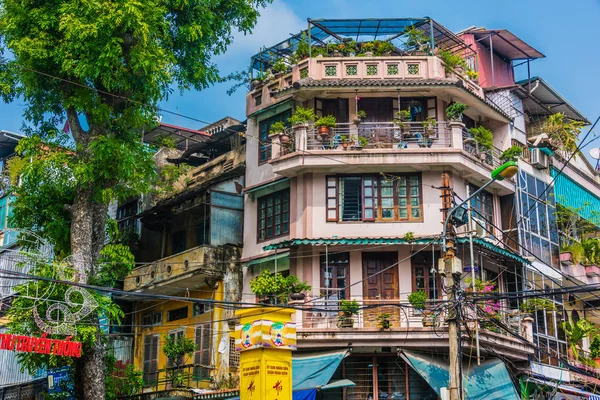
pixel 193 266
pixel 319 328
pixel 385 146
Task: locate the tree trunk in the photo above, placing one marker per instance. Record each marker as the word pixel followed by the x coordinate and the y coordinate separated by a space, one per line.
pixel 87 238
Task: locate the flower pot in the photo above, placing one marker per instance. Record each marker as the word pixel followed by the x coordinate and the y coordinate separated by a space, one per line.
pixel 597 361
pixel 428 321
pixel 297 296
pixel 482 156
pixel 345 146
pixel 284 138
pixel 566 258
pixel 356 121
pixel 346 322
pixel 369 53
pixel 324 130
pixel 254 84
pixel 338 54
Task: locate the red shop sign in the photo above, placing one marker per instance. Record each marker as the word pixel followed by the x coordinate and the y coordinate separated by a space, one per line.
pixel 43 345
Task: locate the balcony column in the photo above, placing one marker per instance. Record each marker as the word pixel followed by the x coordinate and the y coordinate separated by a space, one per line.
pixel 275 145
pixel 456 134
pixel 301 137
pixel 527 328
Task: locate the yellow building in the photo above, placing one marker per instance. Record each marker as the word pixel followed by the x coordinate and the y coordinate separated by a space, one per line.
pixel 188 249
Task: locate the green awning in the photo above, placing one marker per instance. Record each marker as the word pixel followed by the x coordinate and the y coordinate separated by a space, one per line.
pixel 489 381
pixel 569 193
pixel 272 257
pixel 272 107
pixel 267 185
pixel 286 244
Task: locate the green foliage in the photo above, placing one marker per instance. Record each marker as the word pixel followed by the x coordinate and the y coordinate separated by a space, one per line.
pixel 455 111
pixel 302 49
pixel 382 47
pixel 471 74
pixel 401 117
pixel 563 131
pixel 169 175
pixel 409 236
pixel 15 166
pixel 429 124
pixel 327 120
pixel 115 263
pixel 176 349
pixel 349 307
pixel 576 332
pixel 591 250
pixel 361 114
pixel 302 116
pixel 536 304
pixel 595 347
pixel 451 60
pixel 165 141
pixel 571 226
pixel 417 299
pixel 383 321
pixel 576 250
pixel 122 379
pixel 362 141
pixel 483 137
pixel 280 66
pixel 277 127
pixel 512 153
pixel 416 39
pixel 275 285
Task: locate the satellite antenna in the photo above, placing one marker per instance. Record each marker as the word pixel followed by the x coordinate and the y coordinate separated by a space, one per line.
pixel 595 153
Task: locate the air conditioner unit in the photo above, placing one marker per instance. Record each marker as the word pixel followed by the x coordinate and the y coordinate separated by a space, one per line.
pixel 478 226
pixel 538 159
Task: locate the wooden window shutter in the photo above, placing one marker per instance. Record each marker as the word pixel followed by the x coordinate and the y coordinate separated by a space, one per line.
pixel 369 198
pixel 332 199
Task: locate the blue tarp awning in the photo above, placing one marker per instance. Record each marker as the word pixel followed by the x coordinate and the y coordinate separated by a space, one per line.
pixel 489 381
pixel 571 194
pixel 314 370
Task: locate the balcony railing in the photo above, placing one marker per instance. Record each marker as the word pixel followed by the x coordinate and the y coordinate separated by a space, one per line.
pixel 490 157
pixel 326 312
pixel 381 135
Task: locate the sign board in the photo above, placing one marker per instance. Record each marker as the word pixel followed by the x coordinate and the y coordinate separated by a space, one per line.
pixel 43 345
pixel 264 333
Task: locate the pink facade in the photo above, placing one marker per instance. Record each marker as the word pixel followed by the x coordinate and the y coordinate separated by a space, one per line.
pixel 501 75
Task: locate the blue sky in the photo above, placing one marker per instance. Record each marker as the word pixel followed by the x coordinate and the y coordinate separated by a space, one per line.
pixel 567 32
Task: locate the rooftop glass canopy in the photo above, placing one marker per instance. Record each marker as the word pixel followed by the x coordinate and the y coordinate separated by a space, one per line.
pixel 321 32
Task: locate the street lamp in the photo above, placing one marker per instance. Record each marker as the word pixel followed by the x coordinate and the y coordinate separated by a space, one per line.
pixel 506 170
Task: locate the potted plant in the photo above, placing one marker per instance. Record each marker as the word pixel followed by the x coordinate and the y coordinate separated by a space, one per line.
pixel 296 289
pixel 325 124
pixel 348 309
pixel 591 250
pixel 417 300
pixel 595 350
pixel 279 67
pixel 360 115
pixel 344 142
pixel 455 111
pixel 429 125
pixel 571 253
pixel 563 133
pixel 472 75
pixel 575 332
pixel 278 128
pixel 383 321
pixel 402 116
pixel 270 287
pixel 483 139
pixel 534 304
pixel 417 41
pixel 362 143
pixel 302 116
pixel 511 154
pixel 368 48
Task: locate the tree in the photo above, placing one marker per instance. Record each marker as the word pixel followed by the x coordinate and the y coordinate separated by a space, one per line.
pixel 104 65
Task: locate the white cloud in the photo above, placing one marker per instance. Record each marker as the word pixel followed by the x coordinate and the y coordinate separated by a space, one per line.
pixel 275 23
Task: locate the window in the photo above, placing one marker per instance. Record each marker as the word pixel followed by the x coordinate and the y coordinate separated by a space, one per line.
pixel 202 353
pixel 372 198
pixel 152 319
pixel 177 314
pixel 274 215
pixel 179 242
pixel 483 207
pixel 335 269
pixel 422 276
pixel 150 367
pixel 234 356
pixel 264 145
pixel 200 309
pixel 125 213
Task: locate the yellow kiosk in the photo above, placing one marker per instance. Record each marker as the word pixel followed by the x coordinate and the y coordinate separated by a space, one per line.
pixel 265 338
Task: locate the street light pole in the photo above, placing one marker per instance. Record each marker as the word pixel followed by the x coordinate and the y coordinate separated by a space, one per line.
pixel 453 269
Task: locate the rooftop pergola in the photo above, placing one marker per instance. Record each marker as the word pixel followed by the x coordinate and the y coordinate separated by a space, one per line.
pixel 321 32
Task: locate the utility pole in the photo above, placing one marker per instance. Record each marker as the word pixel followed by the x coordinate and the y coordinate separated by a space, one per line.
pixel 452 271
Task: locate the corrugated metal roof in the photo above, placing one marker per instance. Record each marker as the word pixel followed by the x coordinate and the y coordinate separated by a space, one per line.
pixel 285 244
pixel 570 194
pixel 506 44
